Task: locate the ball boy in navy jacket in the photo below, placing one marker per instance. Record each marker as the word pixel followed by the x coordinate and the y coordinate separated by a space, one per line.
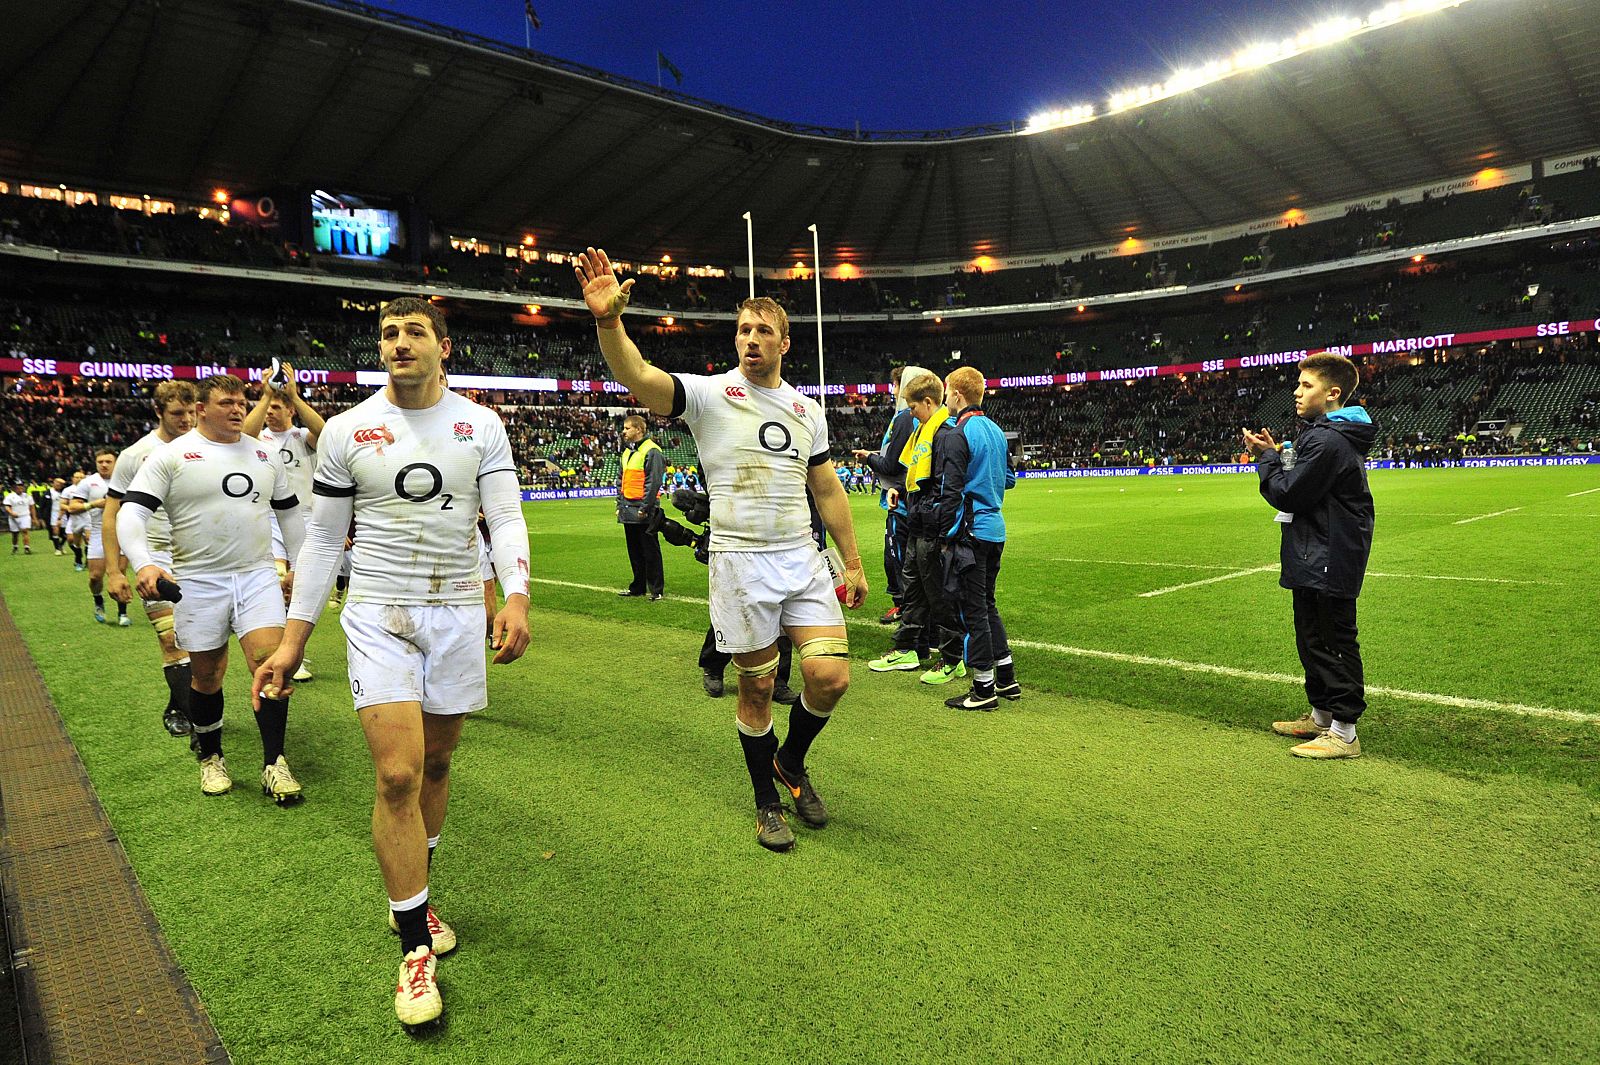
pixel 1327 517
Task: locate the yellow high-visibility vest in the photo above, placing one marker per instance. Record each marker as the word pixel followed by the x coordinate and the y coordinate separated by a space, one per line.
pixel 633 461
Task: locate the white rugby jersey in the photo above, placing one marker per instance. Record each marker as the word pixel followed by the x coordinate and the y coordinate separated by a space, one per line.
pixel 756 446
pixel 299 459
pixel 158 532
pixel 18 504
pixel 414 477
pixel 89 489
pixel 219 499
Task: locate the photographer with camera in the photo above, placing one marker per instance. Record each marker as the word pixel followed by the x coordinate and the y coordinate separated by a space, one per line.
pixel 638 502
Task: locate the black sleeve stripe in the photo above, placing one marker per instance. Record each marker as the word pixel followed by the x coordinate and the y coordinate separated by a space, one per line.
pixel 149 502
pixel 819 458
pixel 285 504
pixel 680 398
pixel 502 469
pixel 323 488
pixel 113 493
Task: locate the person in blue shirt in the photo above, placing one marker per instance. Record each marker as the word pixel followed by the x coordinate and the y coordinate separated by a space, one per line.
pixel 972 476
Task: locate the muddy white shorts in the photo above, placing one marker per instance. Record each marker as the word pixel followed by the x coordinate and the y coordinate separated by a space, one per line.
pixel 754 594
pixel 213 608
pixel 431 655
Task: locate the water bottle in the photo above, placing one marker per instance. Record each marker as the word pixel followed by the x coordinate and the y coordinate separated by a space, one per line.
pixel 1287 454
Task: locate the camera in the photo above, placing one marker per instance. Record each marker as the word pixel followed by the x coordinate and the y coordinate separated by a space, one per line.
pixel 695 506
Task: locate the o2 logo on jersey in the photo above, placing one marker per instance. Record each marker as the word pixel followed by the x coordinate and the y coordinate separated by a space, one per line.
pixel 776 438
pixel 463 431
pixel 426 477
pixel 237 485
pixel 735 392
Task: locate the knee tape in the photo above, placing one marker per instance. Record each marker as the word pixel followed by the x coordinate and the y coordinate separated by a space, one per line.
pixel 765 669
pixel 825 647
pixel 163 624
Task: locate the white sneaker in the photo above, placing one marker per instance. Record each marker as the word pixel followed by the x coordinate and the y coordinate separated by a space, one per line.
pixel 214 778
pixel 303 674
pixel 279 784
pixel 416 994
pixel 123 621
pixel 444 937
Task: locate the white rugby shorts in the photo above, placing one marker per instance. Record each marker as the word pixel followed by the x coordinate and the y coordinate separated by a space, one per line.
pixel 22 524
pixel 432 655
pixel 164 560
pixel 76 523
pixel 213 608
pixel 97 549
pixel 754 594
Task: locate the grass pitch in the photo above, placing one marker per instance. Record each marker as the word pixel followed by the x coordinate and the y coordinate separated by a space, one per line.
pixel 1126 865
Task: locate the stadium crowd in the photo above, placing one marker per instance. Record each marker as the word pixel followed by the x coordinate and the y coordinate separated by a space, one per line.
pixel 1427 409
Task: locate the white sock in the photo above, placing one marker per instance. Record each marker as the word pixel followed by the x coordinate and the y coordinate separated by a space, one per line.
pixel 1323 718
pixel 409 904
pixel 1345 730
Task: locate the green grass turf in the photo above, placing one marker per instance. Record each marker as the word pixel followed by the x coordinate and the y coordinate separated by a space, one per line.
pixel 1123 866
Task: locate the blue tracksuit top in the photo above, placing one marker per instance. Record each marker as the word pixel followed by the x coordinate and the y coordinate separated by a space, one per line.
pixel 975 466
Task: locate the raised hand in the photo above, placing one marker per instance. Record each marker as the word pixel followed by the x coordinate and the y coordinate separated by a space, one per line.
pixel 606 298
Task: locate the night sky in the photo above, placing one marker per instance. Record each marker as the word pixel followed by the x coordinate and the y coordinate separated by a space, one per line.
pixel 891 64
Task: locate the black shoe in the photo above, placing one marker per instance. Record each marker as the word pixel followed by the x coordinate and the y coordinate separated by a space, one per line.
pixel 772 829
pixel 712 683
pixel 1012 691
pixel 808 805
pixel 629 593
pixel 974 700
pixel 175 723
pixel 785 695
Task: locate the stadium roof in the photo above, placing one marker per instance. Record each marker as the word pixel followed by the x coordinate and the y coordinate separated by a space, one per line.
pixel 176 97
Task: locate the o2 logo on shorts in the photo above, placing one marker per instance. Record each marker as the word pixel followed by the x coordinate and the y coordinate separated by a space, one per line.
pixel 735 392
pixel 355 687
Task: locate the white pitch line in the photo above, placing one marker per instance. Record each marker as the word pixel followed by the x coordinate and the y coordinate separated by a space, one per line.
pixel 1161 565
pixel 1456 701
pixel 1440 577
pixel 1231 569
pixel 1208 580
pixel 1480 517
pixel 1586 491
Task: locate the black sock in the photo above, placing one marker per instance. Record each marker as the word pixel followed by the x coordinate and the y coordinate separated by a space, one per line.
pixel 122 610
pixel 77 555
pixel 803 728
pixel 177 676
pixel 99 600
pixel 413 927
pixel 273 721
pixel 205 711
pixel 341 582
pixel 1005 673
pixel 758 754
